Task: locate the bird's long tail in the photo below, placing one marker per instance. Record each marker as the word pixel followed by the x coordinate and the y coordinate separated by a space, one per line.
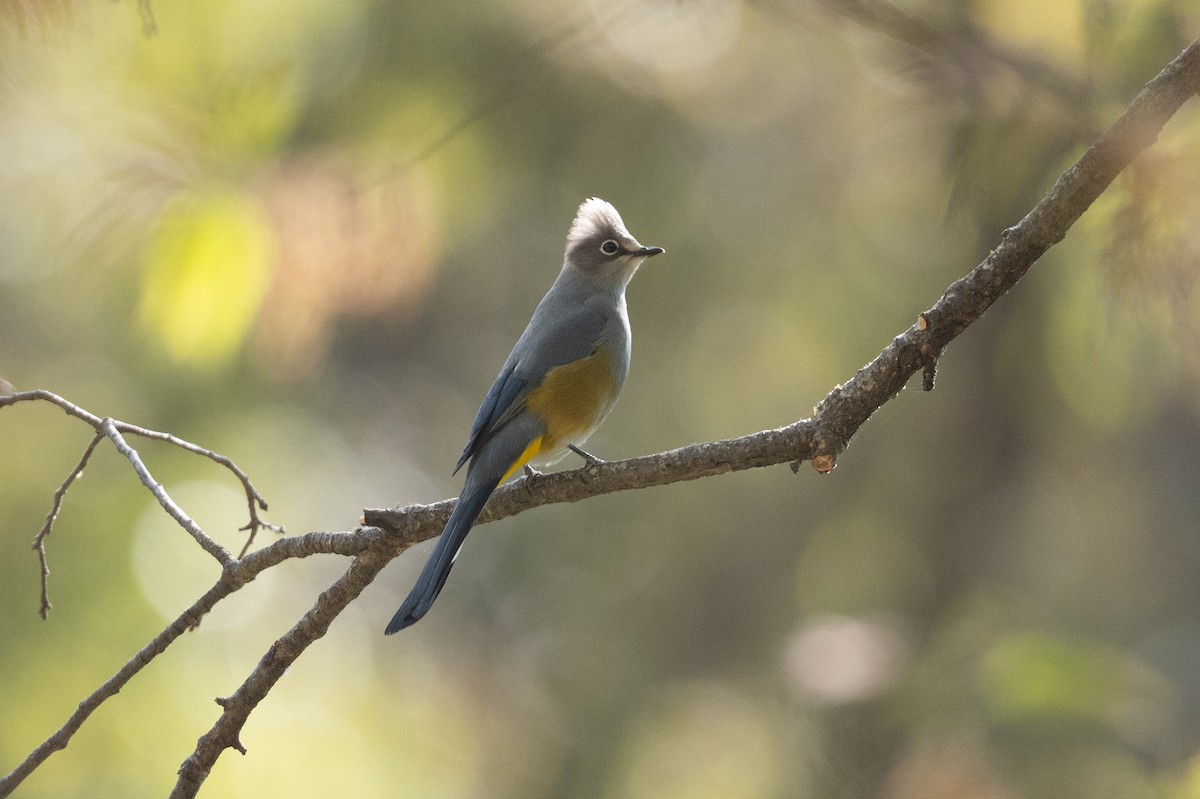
pixel 437 568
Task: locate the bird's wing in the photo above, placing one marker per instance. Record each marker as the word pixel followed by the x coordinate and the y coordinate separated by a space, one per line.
pixel 545 344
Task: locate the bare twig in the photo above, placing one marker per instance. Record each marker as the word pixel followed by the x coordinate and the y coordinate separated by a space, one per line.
pixel 254 500
pixel 115 431
pixel 109 428
pixel 39 540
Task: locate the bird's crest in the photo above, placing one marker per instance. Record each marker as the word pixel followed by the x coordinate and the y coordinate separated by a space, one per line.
pixel 596 219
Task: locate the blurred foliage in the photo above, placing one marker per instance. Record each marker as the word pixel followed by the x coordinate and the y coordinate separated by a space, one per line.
pixel 306 234
pixel 205 276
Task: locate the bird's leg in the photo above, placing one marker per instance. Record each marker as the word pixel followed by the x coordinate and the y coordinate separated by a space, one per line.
pixel 591 460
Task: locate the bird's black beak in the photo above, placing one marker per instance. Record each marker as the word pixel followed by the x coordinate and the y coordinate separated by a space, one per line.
pixel 646 252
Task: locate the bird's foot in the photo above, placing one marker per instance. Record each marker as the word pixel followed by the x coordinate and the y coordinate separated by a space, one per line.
pixel 591 459
pixel 531 475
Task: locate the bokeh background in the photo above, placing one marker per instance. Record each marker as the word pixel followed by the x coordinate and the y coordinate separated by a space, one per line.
pixel 305 234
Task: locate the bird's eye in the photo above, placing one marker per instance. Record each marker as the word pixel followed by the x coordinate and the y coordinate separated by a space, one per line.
pixel 610 247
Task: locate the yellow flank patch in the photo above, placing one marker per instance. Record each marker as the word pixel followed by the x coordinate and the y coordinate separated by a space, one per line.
pixel 533 449
pixel 572 396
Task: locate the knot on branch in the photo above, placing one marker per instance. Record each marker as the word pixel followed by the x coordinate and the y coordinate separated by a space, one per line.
pixel 928 352
pixel 824 464
pixel 835 425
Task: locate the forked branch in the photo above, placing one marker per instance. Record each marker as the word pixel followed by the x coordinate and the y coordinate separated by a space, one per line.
pixel 821 439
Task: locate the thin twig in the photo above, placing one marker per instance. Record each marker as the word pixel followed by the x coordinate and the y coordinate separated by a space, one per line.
pixel 114 428
pixel 109 428
pixel 251 492
pixel 39 540
pixel 254 500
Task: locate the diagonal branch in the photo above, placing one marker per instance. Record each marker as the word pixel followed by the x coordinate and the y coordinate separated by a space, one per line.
pixel 109 428
pixel 821 438
pixel 236 709
pixel 232 579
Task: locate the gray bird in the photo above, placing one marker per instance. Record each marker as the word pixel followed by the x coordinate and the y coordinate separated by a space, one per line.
pixel 560 381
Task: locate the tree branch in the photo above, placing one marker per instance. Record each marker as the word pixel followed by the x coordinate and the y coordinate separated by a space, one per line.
pixel 39 540
pixel 237 708
pixel 114 430
pixel 962 44
pixel 109 428
pixel 824 436
pixel 821 438
pixel 232 579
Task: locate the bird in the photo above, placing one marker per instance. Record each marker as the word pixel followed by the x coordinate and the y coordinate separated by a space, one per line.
pixel 559 383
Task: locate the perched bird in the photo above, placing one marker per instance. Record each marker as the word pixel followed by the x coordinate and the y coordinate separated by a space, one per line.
pixel 559 383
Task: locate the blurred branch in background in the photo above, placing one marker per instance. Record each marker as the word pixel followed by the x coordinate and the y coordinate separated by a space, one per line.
pixel 820 439
pixel 966 50
pixel 146 12
pixel 999 96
